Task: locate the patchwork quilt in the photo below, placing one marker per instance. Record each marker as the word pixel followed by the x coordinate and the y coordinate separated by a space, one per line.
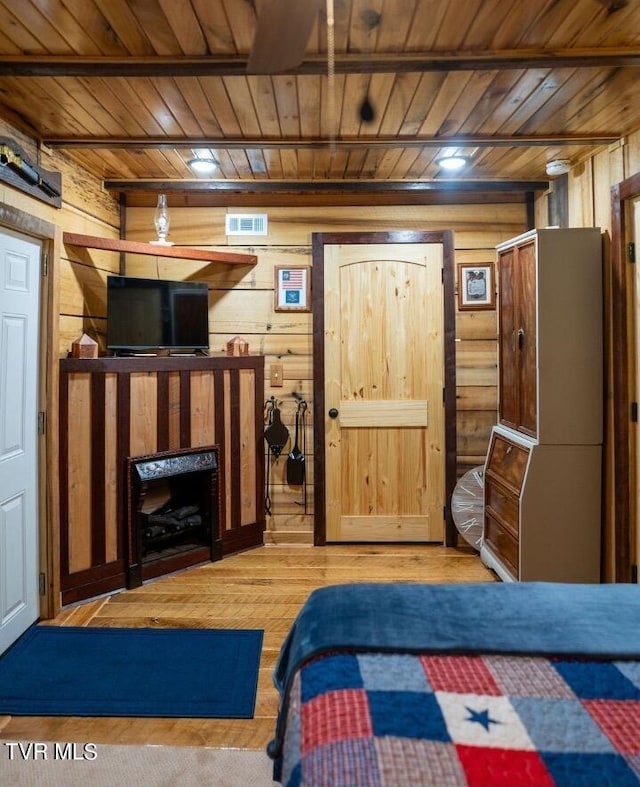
pixel 405 720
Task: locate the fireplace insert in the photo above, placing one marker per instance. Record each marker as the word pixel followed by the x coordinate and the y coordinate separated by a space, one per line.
pixel 173 512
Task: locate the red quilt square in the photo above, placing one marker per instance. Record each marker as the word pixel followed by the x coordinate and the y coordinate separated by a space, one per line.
pixel 503 767
pixel 335 716
pixel 620 722
pixel 460 675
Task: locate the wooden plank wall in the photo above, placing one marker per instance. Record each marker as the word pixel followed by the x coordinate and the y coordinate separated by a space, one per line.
pixel 242 304
pixel 242 300
pixel 86 205
pixel 88 209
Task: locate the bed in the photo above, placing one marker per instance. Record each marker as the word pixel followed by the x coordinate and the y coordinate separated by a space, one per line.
pixel 474 684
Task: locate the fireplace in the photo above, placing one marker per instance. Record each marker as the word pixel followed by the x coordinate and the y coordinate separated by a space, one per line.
pixel 173 511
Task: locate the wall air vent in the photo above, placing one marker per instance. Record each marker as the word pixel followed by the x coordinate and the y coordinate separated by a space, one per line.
pixel 246 224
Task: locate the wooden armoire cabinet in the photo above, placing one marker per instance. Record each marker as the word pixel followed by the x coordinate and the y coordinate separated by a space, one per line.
pixel 542 513
pixel 517 336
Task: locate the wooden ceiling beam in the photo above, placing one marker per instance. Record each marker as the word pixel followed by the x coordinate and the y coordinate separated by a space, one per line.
pixel 246 194
pixel 324 186
pixel 352 63
pixel 351 143
pixel 224 199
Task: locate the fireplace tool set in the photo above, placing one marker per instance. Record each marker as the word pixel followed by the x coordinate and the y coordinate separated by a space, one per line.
pixel 276 436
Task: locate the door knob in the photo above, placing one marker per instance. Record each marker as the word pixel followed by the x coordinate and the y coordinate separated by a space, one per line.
pixel 333 413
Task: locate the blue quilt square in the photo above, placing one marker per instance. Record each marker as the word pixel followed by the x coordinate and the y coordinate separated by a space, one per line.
pixel 330 674
pixel 595 680
pixel 561 725
pixel 588 770
pixel 631 670
pixel 407 714
pixel 393 672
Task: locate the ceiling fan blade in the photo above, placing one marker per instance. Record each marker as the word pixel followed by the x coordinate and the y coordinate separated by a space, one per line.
pixel 282 35
pixel 612 5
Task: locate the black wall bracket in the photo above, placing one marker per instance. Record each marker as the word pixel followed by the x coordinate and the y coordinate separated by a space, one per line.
pixel 18 171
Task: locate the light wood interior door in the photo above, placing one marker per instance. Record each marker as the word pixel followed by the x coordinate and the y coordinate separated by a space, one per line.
pixel 384 375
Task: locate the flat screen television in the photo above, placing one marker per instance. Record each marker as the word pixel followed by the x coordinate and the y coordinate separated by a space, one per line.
pixel 146 315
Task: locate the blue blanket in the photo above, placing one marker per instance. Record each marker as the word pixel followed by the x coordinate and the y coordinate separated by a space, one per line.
pixel 534 618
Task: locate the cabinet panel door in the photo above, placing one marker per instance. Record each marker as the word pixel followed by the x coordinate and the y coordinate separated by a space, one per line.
pixel 526 339
pixel 503 506
pixel 503 544
pixel 507 462
pixel 507 338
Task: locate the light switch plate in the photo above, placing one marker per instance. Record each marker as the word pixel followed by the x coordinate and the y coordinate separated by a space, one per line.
pixel 275 375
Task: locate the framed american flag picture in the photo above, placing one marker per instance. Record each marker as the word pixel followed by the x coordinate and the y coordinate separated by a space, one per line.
pixel 476 289
pixel 292 289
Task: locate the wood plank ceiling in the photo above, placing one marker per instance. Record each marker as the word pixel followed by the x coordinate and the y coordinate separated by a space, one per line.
pixel 133 89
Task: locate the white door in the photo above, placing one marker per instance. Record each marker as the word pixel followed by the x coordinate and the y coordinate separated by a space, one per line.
pixel 19 329
pixel 635 237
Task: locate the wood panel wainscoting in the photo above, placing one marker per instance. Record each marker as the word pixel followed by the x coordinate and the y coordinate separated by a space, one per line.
pixel 112 409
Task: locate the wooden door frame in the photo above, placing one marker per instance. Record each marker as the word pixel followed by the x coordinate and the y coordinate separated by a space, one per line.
pixel 319 241
pixel 623 559
pixel 47 448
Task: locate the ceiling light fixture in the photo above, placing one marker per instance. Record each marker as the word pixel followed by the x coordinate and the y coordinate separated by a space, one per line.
pixel 203 166
pixel 452 162
pixel 559 166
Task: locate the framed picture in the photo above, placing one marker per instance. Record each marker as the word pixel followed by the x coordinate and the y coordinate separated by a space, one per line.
pixel 292 289
pixel 476 288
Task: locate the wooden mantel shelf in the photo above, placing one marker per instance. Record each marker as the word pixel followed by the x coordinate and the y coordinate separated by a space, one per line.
pixel 135 247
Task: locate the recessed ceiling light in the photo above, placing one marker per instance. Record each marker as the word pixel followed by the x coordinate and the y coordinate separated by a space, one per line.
pixel 452 163
pixel 559 166
pixel 203 166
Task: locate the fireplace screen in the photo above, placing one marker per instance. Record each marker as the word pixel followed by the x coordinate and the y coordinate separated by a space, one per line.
pixel 173 511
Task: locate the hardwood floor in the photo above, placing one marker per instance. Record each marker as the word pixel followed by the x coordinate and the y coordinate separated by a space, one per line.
pixel 262 588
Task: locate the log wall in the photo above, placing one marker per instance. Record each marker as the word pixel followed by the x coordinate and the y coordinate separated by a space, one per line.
pixel 86 209
pixel 86 205
pixel 242 300
pixel 242 303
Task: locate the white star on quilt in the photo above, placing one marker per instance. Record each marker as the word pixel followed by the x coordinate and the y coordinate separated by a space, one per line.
pixel 481 717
